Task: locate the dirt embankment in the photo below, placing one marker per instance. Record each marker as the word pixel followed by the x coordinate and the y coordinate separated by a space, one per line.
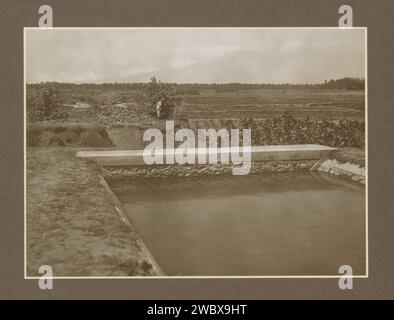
pixel 49 134
pixel 122 136
pixel 283 130
pixel 74 135
pixel 73 223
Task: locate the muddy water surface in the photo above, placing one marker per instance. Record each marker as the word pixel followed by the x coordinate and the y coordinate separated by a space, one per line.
pixel 284 224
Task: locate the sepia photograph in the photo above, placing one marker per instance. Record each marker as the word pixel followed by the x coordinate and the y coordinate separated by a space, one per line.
pixel 195 152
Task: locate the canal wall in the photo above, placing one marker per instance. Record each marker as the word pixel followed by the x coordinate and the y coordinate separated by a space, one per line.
pixel 195 171
pixel 347 170
pixel 117 164
pixel 149 260
pixel 263 159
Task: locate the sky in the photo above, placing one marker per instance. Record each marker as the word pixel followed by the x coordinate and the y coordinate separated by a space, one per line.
pixel 122 55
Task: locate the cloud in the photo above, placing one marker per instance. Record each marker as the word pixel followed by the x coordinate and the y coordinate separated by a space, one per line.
pixel 109 55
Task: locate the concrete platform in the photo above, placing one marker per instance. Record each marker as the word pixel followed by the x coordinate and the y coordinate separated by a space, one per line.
pixel 258 153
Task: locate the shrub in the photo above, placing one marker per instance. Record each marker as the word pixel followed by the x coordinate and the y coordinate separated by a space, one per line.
pixel 42 103
pixel 156 91
pixel 287 129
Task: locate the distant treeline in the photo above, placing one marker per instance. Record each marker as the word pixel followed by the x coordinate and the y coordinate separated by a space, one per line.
pixel 338 84
pixel 344 84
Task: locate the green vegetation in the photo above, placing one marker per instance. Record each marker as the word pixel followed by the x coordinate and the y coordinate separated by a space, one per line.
pixel 42 102
pixel 344 84
pixel 132 103
pixel 328 113
pixel 194 88
pixel 157 91
pixel 286 129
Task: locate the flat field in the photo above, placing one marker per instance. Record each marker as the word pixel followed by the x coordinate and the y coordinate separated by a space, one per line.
pixel 119 105
pixel 261 104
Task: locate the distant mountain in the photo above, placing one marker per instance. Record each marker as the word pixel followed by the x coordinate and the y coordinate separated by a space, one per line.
pixel 246 66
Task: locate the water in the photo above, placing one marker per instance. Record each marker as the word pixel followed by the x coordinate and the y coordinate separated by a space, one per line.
pixel 284 224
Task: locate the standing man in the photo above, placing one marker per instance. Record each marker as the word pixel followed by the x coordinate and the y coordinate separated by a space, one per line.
pixel 158 109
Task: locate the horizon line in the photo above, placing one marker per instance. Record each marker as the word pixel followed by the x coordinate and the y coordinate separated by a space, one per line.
pixel 200 83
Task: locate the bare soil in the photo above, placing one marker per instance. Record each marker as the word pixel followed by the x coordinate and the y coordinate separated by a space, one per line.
pixel 72 222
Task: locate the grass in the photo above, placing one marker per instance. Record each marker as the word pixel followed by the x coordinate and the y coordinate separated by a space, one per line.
pixel 72 222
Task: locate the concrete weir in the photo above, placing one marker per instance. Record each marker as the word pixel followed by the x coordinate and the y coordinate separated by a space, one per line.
pixel 114 158
pixel 264 159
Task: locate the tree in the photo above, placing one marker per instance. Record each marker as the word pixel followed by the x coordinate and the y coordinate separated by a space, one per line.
pixel 44 100
pixel 168 95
